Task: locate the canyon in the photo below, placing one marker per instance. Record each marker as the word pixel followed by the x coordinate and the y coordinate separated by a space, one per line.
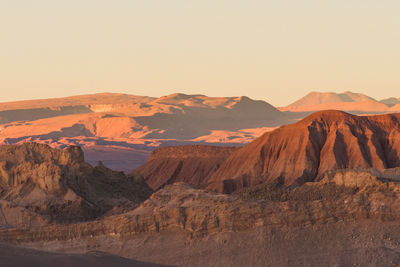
pixel 347 218
pixel 122 130
pixel 321 191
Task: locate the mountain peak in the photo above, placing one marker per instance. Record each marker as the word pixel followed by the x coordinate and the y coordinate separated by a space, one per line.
pixel 316 98
pixel 347 101
pixel 303 151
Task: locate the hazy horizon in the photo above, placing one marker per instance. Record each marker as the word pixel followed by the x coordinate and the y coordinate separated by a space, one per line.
pixel 277 51
pixel 174 92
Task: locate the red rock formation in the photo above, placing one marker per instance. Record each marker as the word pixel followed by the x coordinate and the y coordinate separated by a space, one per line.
pixel 189 164
pixel 300 152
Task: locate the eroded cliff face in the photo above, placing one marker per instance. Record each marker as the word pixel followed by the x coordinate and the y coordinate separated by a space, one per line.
pixel 40 165
pixel 46 184
pixel 179 208
pixel 189 164
pixel 290 155
pixel 179 223
pixel 52 200
pixel 304 151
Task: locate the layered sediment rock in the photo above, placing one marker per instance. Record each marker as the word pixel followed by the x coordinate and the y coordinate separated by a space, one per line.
pixel 189 164
pixel 290 155
pixel 351 214
pixel 304 151
pixel 180 208
pixel 47 184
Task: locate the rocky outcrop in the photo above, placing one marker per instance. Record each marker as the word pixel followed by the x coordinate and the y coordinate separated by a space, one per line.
pixel 348 213
pixel 189 164
pixel 46 184
pixel 38 164
pixel 180 208
pixel 304 151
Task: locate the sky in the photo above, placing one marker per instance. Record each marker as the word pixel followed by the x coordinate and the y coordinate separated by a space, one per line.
pixel 276 51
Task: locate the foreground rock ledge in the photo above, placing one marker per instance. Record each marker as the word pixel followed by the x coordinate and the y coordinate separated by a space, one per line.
pixel 346 211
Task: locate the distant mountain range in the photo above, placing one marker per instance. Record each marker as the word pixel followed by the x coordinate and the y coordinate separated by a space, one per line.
pixel 347 101
pixel 121 130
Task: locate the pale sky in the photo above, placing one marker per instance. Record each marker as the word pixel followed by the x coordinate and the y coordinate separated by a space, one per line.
pixel 277 50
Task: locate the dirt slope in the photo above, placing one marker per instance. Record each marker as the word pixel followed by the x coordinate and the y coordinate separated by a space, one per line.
pixel 22 257
pixel 189 164
pixel 300 152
